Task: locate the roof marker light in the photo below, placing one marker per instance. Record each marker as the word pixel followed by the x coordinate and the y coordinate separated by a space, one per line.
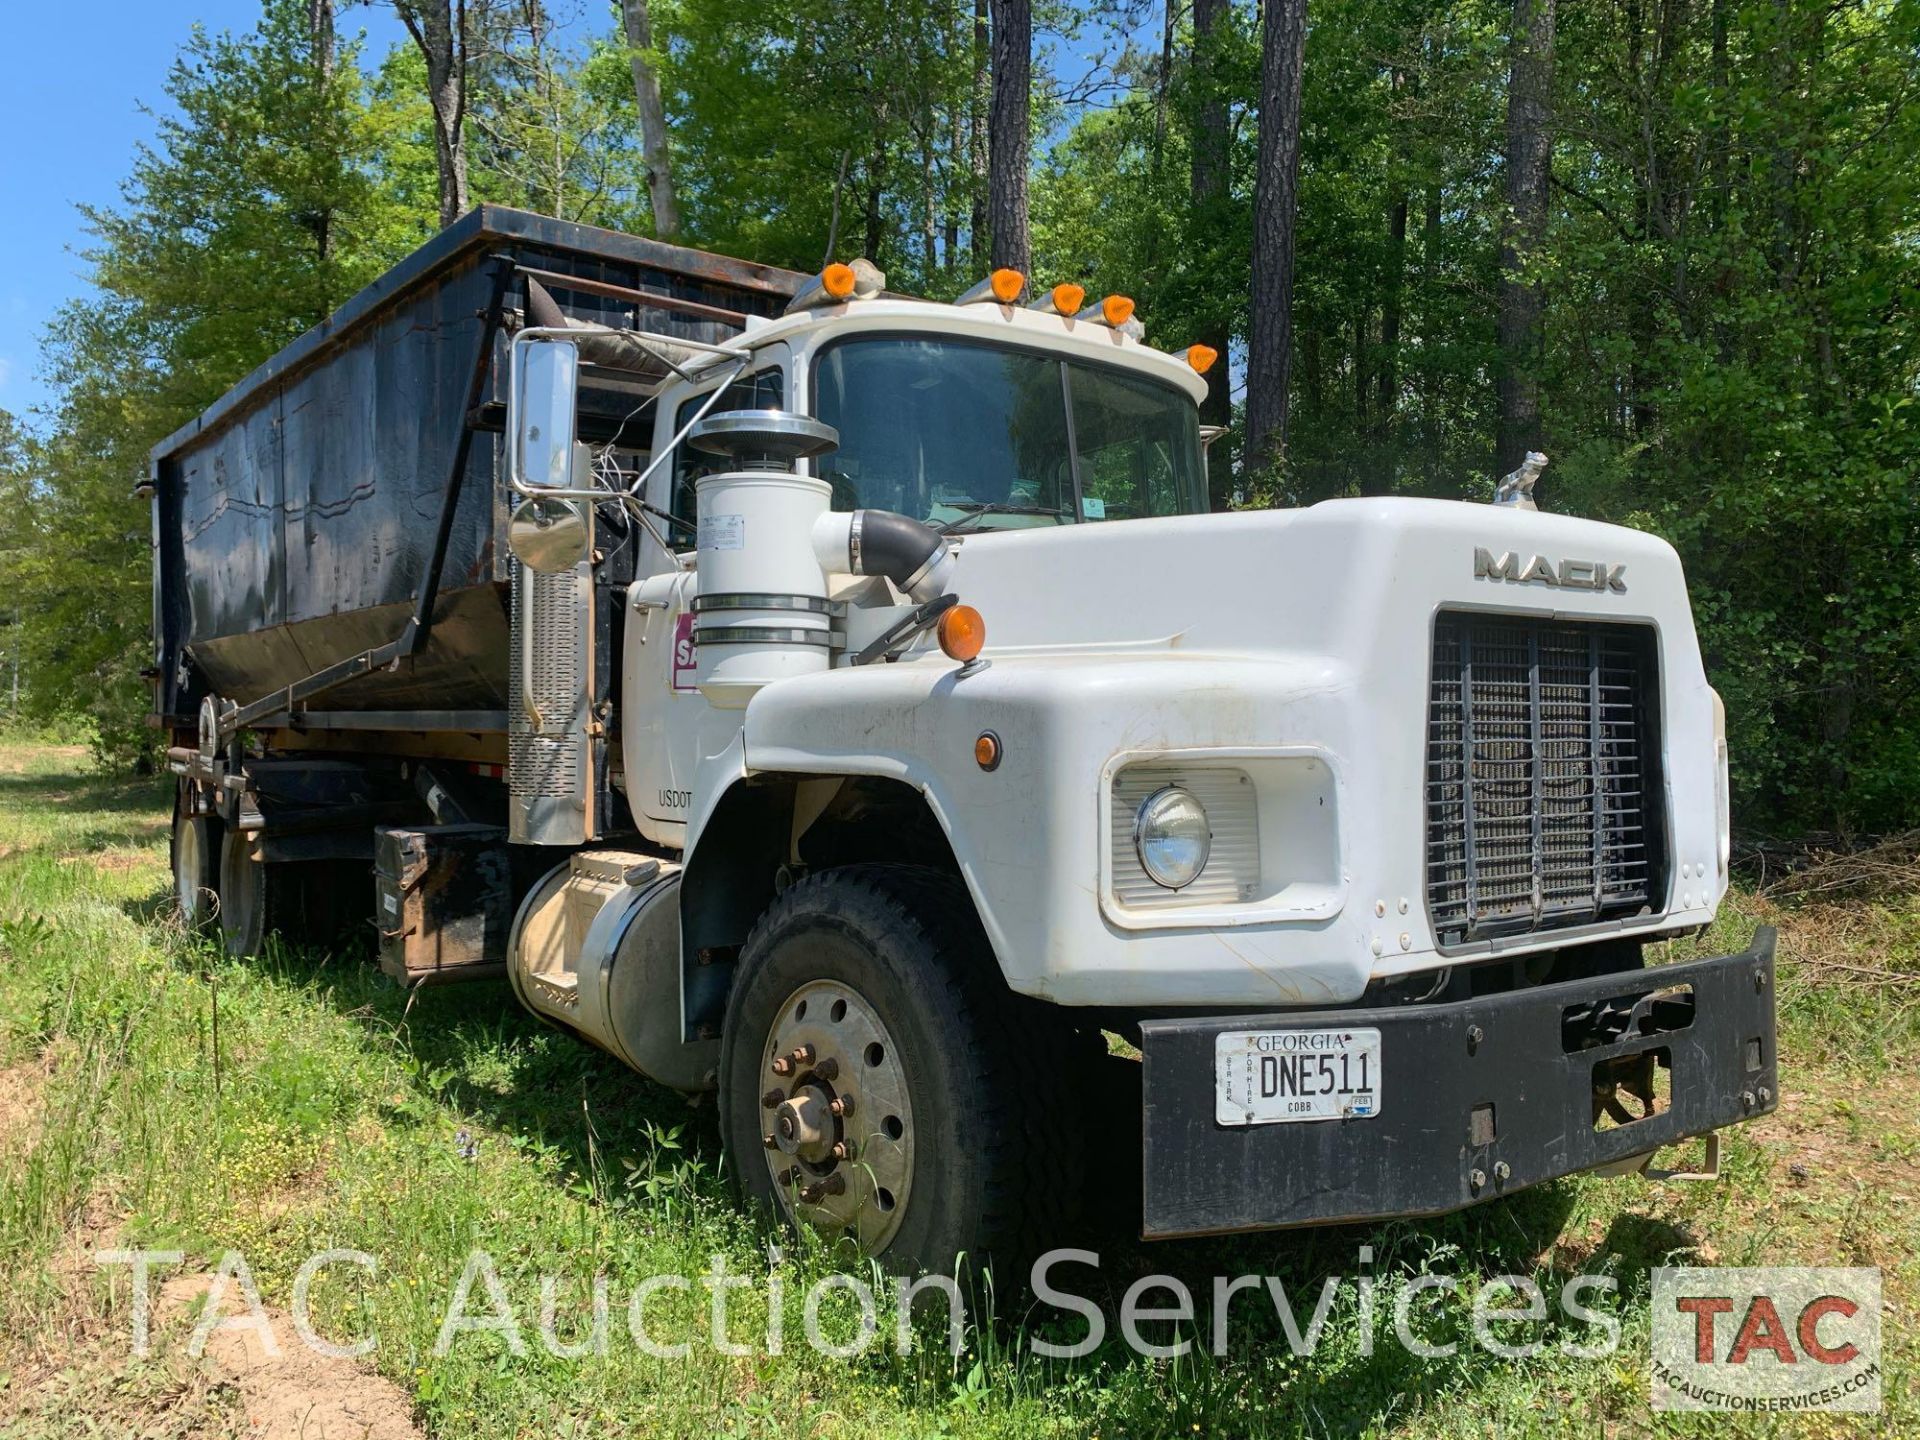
pixel 1201 358
pixel 838 281
pixel 1002 287
pixel 860 279
pixel 1113 312
pixel 1062 300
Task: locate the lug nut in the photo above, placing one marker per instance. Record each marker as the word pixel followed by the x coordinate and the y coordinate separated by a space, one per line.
pixel 770 1142
pixel 827 1068
pixel 782 1066
pixel 820 1189
pixel 803 1055
pixel 771 1100
pixel 841 1105
pixel 843 1150
pixel 786 1178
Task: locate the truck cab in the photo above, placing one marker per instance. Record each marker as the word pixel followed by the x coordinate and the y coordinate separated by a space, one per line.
pixel 892 740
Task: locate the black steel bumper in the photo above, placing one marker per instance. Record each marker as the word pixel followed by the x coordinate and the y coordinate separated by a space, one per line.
pixel 1478 1098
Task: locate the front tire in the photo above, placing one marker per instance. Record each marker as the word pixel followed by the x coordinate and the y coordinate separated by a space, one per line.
pixel 923 1110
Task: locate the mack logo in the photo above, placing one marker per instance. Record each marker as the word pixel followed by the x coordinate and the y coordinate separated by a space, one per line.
pixel 1567 575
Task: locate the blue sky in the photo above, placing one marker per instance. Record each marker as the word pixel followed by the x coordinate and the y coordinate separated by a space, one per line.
pixel 71 131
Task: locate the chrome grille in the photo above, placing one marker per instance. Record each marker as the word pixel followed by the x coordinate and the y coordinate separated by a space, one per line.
pixel 1542 775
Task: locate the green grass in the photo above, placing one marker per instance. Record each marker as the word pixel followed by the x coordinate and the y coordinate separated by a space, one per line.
pixel 331 1114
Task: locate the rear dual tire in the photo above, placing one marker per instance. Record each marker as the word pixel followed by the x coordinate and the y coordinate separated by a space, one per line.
pixel 195 858
pixel 220 888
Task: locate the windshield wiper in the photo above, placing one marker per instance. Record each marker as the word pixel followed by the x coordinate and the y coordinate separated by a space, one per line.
pixel 978 509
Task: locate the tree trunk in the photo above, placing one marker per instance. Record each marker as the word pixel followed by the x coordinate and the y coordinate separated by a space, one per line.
pixel 439 29
pixel 320 29
pixel 638 20
pixel 1524 231
pixel 956 160
pixel 320 26
pixel 1209 188
pixel 929 217
pixel 980 229
pixel 1389 378
pixel 1276 186
pixel 1009 141
pixel 1163 80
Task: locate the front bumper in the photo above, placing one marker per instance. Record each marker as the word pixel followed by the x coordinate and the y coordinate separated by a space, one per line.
pixel 1479 1098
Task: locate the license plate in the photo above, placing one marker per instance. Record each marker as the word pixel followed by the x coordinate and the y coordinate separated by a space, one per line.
pixel 1266 1077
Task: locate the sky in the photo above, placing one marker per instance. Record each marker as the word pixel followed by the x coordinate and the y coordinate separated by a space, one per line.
pixel 72 131
pixel 71 134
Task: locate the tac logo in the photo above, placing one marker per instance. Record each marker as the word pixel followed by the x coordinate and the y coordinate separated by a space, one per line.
pixel 1766 1340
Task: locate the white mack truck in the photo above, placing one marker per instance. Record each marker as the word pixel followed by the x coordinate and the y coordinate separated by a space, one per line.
pixel 844 702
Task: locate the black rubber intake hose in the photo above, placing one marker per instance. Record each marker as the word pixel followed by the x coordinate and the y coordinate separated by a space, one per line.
pixel 881 542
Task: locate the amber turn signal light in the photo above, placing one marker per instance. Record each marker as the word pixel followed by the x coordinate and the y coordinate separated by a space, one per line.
pixel 986 751
pixel 837 280
pixel 1007 285
pixel 962 633
pixel 1201 358
pixel 1116 310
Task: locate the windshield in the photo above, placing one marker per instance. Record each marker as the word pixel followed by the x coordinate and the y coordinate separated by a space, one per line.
pixel 975 437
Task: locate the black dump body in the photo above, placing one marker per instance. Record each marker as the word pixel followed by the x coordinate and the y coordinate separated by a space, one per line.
pixel 296 520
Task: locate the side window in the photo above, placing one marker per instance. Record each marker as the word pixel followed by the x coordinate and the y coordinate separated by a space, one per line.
pixel 762 390
pixel 1137 452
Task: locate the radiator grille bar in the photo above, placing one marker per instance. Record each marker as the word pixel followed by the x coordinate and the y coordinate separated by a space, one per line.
pixel 1542 775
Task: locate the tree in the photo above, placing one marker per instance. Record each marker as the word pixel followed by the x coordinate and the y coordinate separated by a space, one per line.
pixel 978 124
pixel 1210 171
pixel 653 118
pixel 442 31
pixel 254 214
pixel 806 124
pixel 1276 187
pixel 1523 230
pixel 1009 143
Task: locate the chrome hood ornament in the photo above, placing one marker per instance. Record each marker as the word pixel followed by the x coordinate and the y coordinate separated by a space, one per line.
pixel 1516 486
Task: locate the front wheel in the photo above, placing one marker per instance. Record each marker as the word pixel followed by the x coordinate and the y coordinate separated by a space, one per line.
pixel 879 1081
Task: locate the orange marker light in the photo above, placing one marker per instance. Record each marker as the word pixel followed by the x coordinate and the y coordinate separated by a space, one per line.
pixel 837 280
pixel 1116 310
pixel 1007 285
pixel 1201 358
pixel 962 633
pixel 1068 299
pixel 986 751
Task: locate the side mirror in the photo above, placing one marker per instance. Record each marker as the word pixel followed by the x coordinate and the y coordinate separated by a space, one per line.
pixel 546 394
pixel 549 536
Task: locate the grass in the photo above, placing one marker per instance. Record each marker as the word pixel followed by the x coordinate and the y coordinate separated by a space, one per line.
pixel 334 1112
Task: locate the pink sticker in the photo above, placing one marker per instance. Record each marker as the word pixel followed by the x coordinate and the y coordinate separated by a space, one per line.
pixel 683 665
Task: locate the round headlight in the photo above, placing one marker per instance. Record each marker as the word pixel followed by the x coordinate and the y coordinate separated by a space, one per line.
pixel 1171 837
